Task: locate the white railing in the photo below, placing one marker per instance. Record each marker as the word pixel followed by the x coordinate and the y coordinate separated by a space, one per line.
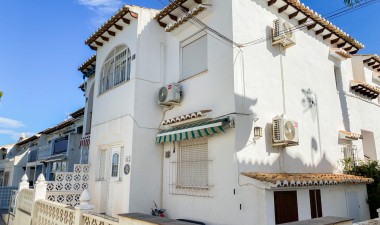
pixel 53 213
pixel 32 208
pixel 25 200
pixel 98 219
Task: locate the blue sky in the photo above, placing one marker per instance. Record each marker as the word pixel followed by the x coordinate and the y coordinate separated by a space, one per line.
pixel 42 45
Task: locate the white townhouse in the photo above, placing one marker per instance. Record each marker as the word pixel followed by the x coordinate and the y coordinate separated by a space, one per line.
pixel 229 112
pixel 11 169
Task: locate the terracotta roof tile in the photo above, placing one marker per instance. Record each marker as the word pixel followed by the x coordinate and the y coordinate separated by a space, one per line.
pixel 306 179
pixel 324 22
pixel 78 113
pixel 89 62
pixel 109 23
pixel 31 138
pixel 58 126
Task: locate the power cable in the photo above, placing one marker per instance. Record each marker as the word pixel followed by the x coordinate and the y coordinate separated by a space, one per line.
pixel 333 16
pixel 299 27
pixel 202 26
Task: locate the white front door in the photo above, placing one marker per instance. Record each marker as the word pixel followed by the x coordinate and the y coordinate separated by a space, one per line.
pixel 353 206
pixel 114 176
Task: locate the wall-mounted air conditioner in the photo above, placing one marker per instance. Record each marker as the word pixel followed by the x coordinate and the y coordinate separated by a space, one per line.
pixel 283 33
pixel 284 131
pixel 169 95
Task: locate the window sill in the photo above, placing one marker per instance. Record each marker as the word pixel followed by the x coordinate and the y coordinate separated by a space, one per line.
pixel 115 86
pixel 195 75
pixel 199 188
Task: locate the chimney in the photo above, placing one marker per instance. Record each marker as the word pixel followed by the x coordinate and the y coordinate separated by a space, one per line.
pixel 23 137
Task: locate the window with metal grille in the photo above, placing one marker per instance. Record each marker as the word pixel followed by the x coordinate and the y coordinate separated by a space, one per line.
pixel 116 68
pixel 189 168
pixel 115 165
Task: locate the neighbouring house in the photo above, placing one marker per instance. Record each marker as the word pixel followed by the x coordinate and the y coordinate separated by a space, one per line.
pixel 55 149
pixel 229 112
pixel 9 172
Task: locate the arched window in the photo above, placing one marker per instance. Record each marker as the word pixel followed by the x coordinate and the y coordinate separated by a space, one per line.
pixel 116 68
pixel 115 165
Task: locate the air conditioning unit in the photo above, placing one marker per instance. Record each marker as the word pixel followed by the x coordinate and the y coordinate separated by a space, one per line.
pixel 283 34
pixel 284 131
pixel 169 95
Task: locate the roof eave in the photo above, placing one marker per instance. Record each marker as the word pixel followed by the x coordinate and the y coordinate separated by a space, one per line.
pixel 309 19
pixel 116 22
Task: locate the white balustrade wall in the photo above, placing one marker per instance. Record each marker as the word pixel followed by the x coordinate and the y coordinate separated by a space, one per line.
pixel 68 186
pixel 47 212
pixel 97 219
pixel 25 200
pixel 35 207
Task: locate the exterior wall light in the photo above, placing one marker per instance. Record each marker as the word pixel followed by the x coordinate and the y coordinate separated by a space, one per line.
pixel 258 133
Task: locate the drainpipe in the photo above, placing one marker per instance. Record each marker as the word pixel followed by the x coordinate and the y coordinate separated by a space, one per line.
pixel 283 103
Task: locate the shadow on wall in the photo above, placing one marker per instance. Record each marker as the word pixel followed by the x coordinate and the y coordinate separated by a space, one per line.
pixel 309 103
pixel 285 163
pixel 245 121
pixel 278 159
pixel 342 97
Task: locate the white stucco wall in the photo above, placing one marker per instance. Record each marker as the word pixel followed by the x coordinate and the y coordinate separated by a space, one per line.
pixel 259 81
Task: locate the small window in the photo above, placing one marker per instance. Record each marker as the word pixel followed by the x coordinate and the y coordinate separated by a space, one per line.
pixel 315 203
pixel 285 206
pixel 80 129
pixel 115 165
pixel 102 161
pixel 194 55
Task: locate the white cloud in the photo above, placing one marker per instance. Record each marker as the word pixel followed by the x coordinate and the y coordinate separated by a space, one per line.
pixel 15 135
pixel 102 7
pixel 10 123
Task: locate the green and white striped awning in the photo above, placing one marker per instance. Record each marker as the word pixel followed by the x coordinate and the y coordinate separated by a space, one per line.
pixel 194 130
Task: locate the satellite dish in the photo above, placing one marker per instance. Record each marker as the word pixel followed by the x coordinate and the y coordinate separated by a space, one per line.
pixel 290 130
pixel 162 94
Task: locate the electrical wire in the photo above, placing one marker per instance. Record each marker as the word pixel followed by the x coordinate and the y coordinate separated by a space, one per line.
pixel 331 15
pixel 202 26
pixel 346 11
pixel 294 29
